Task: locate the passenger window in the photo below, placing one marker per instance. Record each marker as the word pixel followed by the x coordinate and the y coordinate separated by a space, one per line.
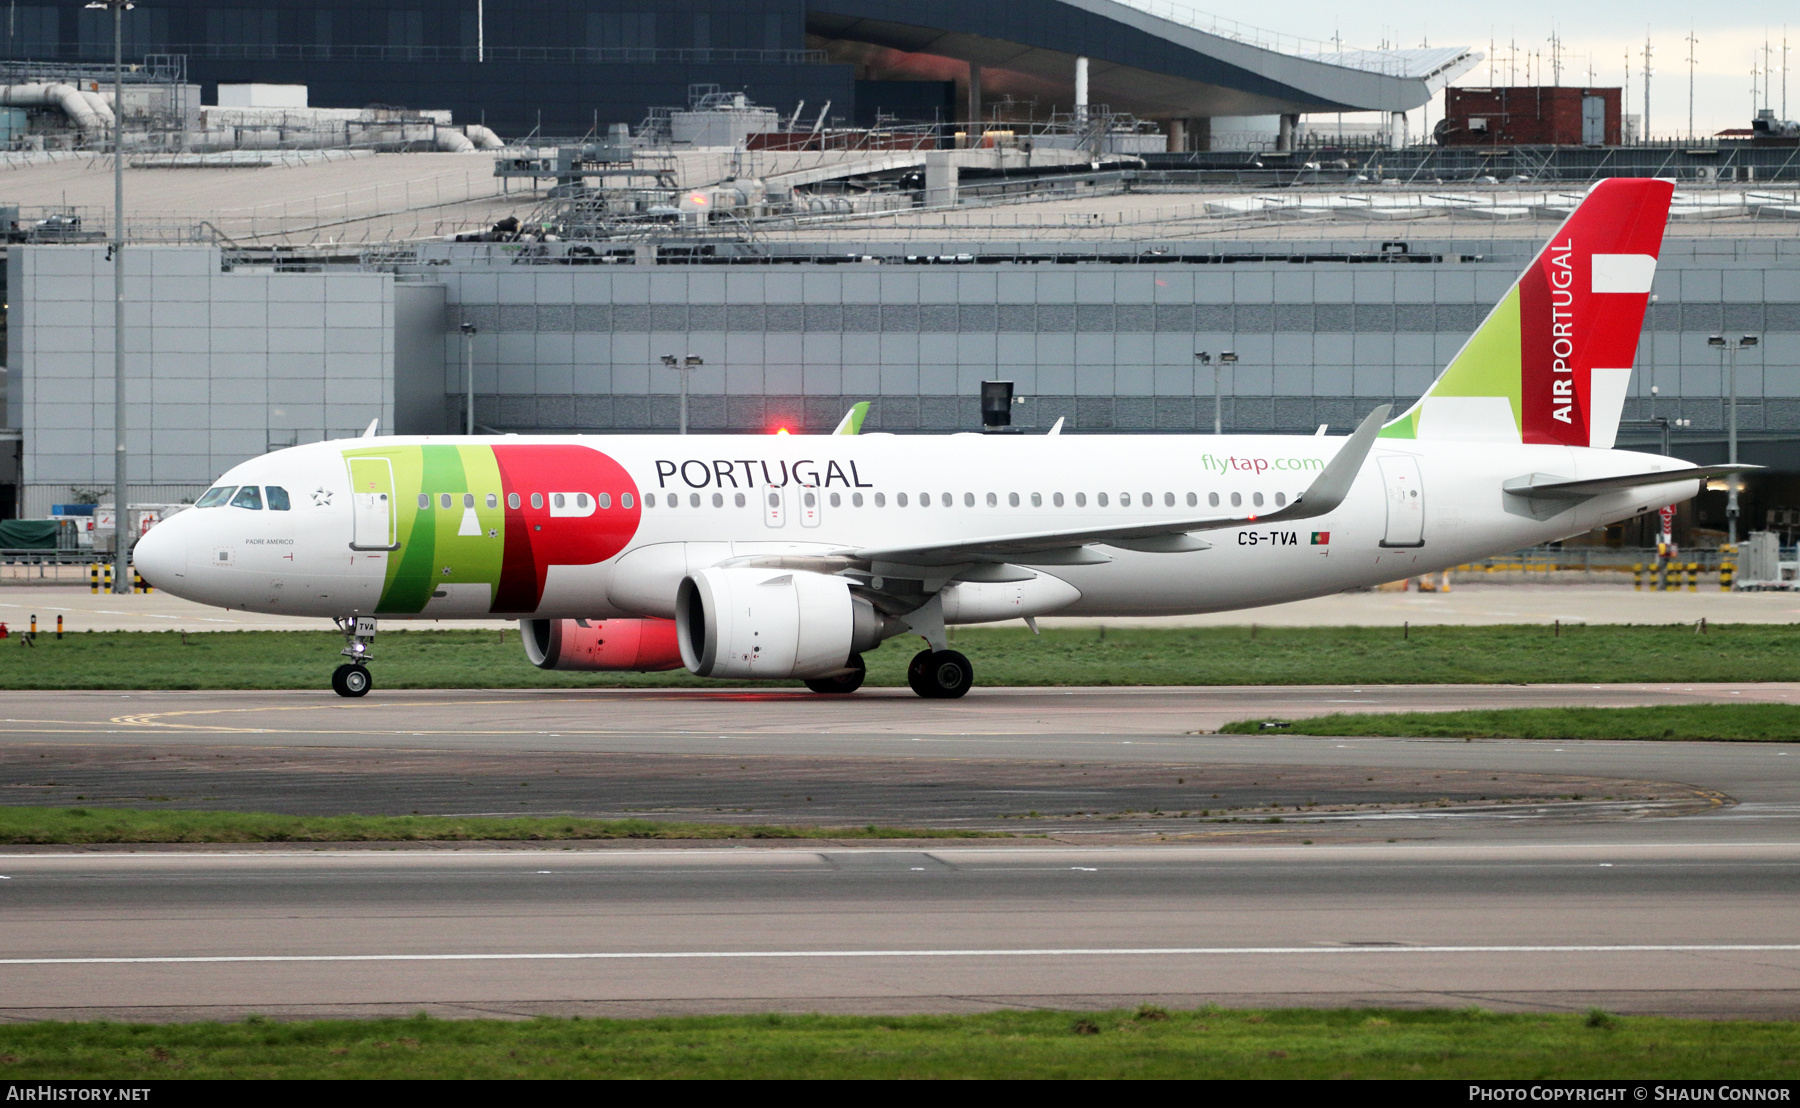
pixel 718 500
pixel 649 500
pixel 556 500
pixel 881 500
pixel 899 499
pixel 1256 499
pixel 1100 499
pixel 1124 500
pixel 493 501
pixel 1056 499
pixel 1037 500
pixel 468 500
pixel 512 501
pixel 248 497
pixel 1237 500
pixel 625 500
pixel 443 500
pixel 1193 501
pixel 604 500
pixel 1281 500
pixel 738 500
pixel 1012 499
pixel 1150 500
pixel 693 500
pixel 856 500
pixel 1081 500
pixel 537 500
pixel 1212 500
pixel 424 501
pixel 278 499
pixel 812 499
pixel 216 497
pixel 946 499
pixel 836 500
pixel 994 502
pixel 969 499
pixel 581 500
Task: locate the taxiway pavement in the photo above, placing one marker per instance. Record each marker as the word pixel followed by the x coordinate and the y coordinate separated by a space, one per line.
pixel 1553 904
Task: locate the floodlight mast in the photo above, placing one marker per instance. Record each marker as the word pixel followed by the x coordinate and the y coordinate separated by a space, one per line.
pixel 1730 349
pixel 121 499
pixel 469 331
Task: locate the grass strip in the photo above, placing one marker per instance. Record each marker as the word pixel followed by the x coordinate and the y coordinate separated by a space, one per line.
pixel 1147 1043
pixel 1686 722
pixel 20 826
pixel 449 659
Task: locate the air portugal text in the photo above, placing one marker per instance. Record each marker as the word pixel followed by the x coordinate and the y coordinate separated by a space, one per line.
pixel 726 473
pixel 1562 332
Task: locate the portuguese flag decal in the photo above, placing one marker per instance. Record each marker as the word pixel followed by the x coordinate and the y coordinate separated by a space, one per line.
pixel 1321 538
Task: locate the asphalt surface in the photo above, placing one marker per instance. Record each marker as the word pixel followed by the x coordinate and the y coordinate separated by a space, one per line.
pixel 1438 873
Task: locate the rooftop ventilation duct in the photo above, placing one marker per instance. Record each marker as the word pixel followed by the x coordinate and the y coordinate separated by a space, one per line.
pixel 73 103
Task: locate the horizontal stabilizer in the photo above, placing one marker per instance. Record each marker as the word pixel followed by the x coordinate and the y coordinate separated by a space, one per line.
pixel 1545 486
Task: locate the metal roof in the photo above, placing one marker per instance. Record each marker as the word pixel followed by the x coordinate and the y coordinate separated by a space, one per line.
pixel 1162 63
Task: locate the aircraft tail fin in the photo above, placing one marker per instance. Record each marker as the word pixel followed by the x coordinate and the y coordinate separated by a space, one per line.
pixel 1552 361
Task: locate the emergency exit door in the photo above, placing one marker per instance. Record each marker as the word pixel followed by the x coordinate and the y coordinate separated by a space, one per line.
pixel 1405 501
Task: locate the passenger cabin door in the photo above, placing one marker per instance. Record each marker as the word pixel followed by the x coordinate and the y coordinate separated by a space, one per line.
pixel 811 502
pixel 1405 500
pixel 774 505
pixel 372 504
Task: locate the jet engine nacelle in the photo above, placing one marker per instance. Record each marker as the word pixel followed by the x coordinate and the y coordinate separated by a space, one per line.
pixel 770 623
pixel 613 644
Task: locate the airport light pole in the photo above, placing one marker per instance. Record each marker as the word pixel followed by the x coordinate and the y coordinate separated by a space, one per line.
pixel 469 331
pixel 684 366
pixel 1730 349
pixel 1205 358
pixel 121 500
pixel 1226 358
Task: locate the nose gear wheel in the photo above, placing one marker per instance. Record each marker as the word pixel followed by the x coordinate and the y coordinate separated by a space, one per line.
pixel 351 680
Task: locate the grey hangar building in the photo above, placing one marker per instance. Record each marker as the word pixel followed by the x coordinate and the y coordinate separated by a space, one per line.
pixel 1093 299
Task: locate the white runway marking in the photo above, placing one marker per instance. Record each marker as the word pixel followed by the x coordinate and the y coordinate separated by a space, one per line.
pixel 1044 952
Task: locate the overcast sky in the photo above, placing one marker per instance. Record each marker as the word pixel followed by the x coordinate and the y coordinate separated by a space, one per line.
pixel 1730 34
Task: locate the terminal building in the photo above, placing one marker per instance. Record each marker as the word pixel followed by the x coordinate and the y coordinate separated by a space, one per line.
pixel 230 359
pixel 566 67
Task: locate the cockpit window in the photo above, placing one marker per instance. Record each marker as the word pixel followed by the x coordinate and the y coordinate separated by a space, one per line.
pixel 248 497
pixel 215 497
pixel 278 498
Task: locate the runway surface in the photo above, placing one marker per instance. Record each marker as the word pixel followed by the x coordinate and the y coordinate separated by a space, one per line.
pixel 1541 875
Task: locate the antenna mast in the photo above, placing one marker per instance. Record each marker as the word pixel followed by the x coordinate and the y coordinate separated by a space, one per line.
pixel 1692 42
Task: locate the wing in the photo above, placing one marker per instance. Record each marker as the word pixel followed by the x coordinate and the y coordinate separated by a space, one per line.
pixel 1168 536
pixel 1544 486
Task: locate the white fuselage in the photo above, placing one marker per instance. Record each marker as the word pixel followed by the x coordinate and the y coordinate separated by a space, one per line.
pixel 1417 506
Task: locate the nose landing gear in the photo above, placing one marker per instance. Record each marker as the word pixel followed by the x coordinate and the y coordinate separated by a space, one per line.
pixel 352 678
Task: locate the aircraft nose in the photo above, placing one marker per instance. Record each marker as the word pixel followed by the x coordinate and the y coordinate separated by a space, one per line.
pixel 161 554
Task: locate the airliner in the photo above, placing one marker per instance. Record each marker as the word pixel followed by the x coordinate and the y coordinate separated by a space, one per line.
pixel 776 557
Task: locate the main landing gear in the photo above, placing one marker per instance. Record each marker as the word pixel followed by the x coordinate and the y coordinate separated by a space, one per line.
pixel 940 674
pixel 352 678
pixel 843 682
